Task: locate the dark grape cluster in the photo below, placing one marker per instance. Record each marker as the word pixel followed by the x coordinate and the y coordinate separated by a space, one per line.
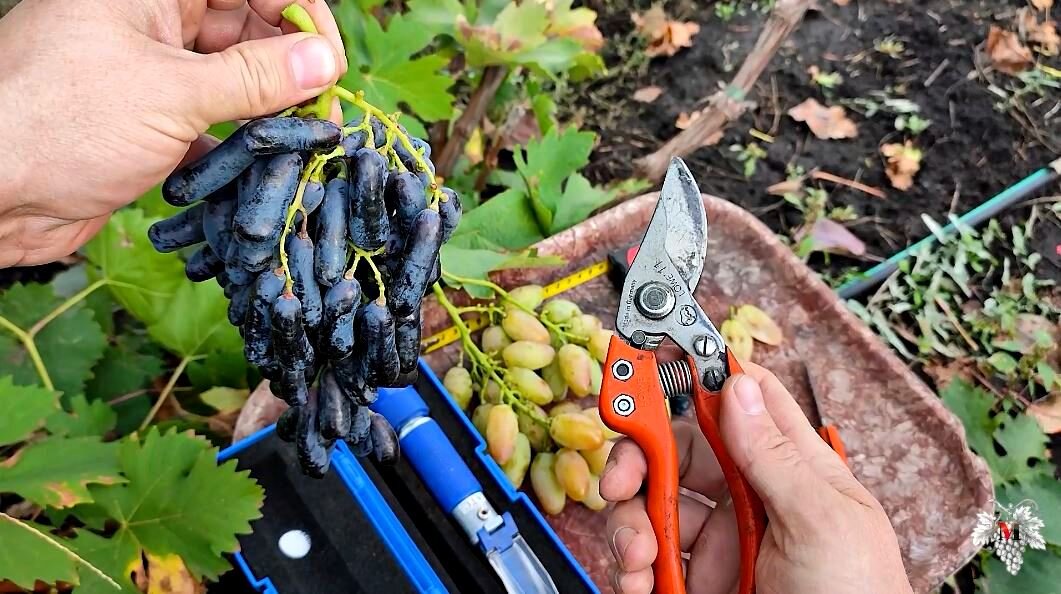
pixel 325 240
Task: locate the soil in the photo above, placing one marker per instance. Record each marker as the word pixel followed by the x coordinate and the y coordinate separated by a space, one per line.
pixel 972 150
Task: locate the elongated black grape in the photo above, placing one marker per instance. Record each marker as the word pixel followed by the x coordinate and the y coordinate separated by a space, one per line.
pixel 359 437
pixel 257 325
pixel 407 341
pixel 237 308
pixel 384 440
pixel 333 408
pixel 354 141
pixel 376 334
pixel 210 172
pixel 312 449
pixel 181 230
pixel 418 259
pixel 368 225
pixel 300 263
pixel 260 219
pixel 203 265
pixel 450 210
pixel 436 274
pixel 271 136
pixel 290 344
pixel 340 310
pixel 329 260
pixel 217 225
pixel 287 424
pixel 235 270
pixel 254 257
pixel 405 197
pixel 379 131
pixel 290 386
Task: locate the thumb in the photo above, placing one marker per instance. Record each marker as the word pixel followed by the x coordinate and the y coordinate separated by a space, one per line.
pixel 259 77
pixel 768 459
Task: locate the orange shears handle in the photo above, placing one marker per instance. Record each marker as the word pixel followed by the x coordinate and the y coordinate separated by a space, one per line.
pixel 751 516
pixel 632 402
pixel 832 437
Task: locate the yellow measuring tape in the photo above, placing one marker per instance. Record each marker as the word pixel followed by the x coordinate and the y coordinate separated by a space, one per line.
pixel 451 334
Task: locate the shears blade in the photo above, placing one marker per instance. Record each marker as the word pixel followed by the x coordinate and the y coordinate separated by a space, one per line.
pixel 680 221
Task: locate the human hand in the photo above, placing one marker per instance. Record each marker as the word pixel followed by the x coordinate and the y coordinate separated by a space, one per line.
pixel 825 531
pixel 104 98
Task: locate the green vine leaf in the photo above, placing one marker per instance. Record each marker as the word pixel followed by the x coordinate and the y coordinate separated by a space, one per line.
pixel 57 471
pixel 1040 574
pixel 30 554
pixel 1046 494
pixel 130 362
pixel 118 557
pixel 196 321
pixel 177 500
pixel 478 263
pixel 479 228
pixel 25 410
pixel 85 419
pixel 69 346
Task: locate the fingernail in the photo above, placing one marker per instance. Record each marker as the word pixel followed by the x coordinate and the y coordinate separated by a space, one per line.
pixel 749 396
pixel 312 62
pixel 620 541
pixel 617 581
pixel 607 468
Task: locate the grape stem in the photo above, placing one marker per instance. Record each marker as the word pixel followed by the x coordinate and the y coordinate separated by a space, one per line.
pixel 553 327
pixel 28 337
pixel 483 366
pixel 168 389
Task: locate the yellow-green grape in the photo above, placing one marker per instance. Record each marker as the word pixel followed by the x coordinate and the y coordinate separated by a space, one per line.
pixel 598 344
pixel 536 431
pixel 560 310
pixel 584 326
pixel 594 413
pixel 520 325
pixel 494 340
pixel 502 427
pixel 527 354
pixel 516 467
pixel 491 392
pixel 597 458
pixel 458 383
pixel 529 296
pixel 575 366
pixel 593 500
pixel 551 496
pixel 552 376
pixel 575 431
pixel 572 472
pixel 530 385
pixel 480 415
pixel 596 377
pixel 565 407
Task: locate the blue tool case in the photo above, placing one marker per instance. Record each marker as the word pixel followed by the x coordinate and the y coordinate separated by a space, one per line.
pixel 371 528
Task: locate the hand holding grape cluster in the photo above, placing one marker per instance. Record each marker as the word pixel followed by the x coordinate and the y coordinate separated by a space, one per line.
pixel 325 240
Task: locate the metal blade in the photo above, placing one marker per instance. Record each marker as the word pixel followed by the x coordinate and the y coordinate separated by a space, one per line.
pixel 520 569
pixel 686 222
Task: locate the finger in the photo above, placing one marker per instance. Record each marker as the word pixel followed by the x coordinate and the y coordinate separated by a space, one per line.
pixel 768 459
pixel 318 10
pixel 698 469
pixel 632 541
pixel 715 554
pixel 636 582
pixel 257 77
pixel 199 147
pixel 221 29
pixel 226 4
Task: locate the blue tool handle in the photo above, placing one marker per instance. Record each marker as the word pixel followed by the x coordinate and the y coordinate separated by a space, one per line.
pixel 426 447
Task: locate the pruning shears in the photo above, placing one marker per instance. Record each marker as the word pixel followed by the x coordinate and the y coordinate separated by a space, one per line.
pixel 657 302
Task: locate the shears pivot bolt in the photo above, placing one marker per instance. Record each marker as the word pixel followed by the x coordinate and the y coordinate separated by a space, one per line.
pixel 622 370
pixel 623 405
pixel 705 345
pixel 655 300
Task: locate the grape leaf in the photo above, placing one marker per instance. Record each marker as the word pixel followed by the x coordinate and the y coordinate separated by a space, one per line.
pixel 390 76
pixel 25 410
pixel 437 16
pixel 179 501
pixel 1023 439
pixel 28 555
pixel 973 409
pixel 1040 574
pixel 580 199
pixel 196 322
pixel 85 419
pixel 219 369
pixel 57 471
pixel 117 557
pixel 129 364
pixel 1045 492
pixel 123 253
pixel 478 263
pixel 69 345
pixel 512 206
pixel 224 399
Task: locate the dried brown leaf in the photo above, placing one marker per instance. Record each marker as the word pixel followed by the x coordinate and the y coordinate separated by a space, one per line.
pixel 789 186
pixel 665 36
pixel 167 575
pixel 686 119
pixel 1006 51
pixel 825 122
pixel 904 161
pixel 738 339
pixel 648 94
pixel 830 236
pixel 1048 413
pixel 760 326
